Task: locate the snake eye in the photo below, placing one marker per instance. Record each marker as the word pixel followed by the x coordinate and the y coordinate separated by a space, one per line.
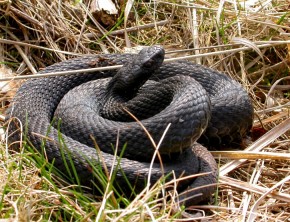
pixel 148 64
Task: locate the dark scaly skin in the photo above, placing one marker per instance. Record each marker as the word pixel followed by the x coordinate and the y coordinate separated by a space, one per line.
pixel 37 100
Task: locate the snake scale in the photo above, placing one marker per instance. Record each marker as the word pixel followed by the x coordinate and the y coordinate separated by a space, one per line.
pixel 89 108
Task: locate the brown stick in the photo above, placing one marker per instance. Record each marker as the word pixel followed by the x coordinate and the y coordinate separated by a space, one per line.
pixel 132 29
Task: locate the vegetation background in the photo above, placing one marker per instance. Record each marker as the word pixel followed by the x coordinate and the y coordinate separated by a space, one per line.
pixel 248 40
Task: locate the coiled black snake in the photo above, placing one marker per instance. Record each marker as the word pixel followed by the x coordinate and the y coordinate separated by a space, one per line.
pixel 195 100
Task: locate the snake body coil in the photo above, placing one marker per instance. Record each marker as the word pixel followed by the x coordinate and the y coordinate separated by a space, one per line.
pixel 94 107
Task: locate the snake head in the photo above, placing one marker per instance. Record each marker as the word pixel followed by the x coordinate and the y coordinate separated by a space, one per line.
pixel 150 58
pixel 136 72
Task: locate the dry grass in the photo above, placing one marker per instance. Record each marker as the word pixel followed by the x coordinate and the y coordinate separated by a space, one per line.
pixel 35 34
